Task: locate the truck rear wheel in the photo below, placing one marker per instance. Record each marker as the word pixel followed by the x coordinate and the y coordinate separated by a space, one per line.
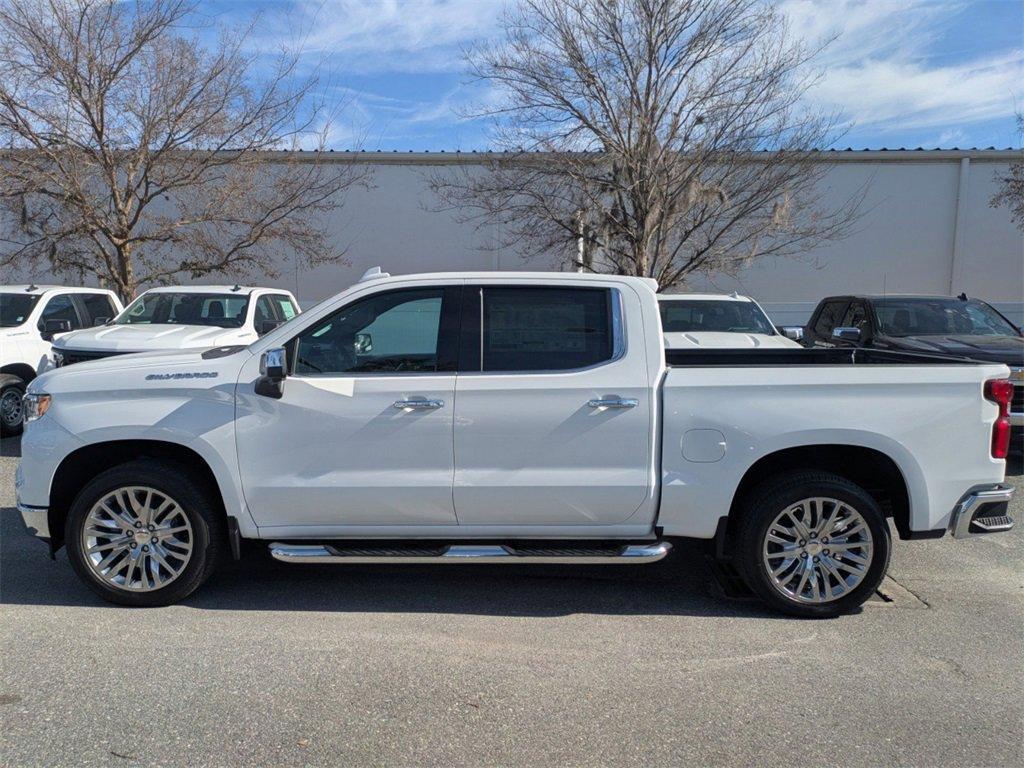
pixel 144 534
pixel 812 544
pixel 11 394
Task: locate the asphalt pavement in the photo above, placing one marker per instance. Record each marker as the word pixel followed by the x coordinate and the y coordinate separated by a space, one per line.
pixel 283 665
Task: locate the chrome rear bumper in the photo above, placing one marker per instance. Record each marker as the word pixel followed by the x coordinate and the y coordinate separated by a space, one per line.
pixel 982 511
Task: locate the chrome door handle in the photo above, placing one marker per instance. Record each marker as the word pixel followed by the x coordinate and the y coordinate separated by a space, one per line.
pixel 614 402
pixel 418 405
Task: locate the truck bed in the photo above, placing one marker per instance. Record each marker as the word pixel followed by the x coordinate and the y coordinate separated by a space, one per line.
pixel 702 358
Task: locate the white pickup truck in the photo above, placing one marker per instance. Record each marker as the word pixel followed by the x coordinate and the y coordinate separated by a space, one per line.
pixel 176 317
pixel 717 321
pixel 30 317
pixel 512 418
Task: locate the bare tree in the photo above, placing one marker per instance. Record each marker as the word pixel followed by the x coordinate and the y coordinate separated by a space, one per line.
pixel 658 138
pixel 1011 186
pixel 131 153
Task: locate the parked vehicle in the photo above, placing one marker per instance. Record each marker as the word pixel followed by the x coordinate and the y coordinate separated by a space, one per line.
pixel 944 325
pixel 509 418
pixel 714 321
pixel 30 317
pixel 193 317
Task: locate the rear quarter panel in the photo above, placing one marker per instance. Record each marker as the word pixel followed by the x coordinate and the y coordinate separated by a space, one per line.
pixel 933 421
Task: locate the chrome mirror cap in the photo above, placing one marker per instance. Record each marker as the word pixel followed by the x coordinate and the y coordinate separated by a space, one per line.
pixel 794 332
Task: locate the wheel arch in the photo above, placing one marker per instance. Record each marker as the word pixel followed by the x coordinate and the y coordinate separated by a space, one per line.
pixel 23 371
pixel 871 469
pixel 83 464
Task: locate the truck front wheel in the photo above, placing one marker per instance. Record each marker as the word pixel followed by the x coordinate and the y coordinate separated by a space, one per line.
pixel 11 394
pixel 812 544
pixel 144 534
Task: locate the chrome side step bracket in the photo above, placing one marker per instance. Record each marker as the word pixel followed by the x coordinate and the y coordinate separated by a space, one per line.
pixel 631 554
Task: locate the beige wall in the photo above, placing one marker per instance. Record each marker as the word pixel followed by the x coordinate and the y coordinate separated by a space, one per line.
pixel 907 241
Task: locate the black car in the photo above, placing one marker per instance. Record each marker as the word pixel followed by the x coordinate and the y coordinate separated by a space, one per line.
pixel 948 325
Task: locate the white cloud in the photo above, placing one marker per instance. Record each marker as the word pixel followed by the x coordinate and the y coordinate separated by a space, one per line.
pixel 890 68
pixel 895 65
pixel 368 36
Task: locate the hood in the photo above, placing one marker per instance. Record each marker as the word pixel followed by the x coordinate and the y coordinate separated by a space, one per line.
pixel 726 340
pixel 144 338
pixel 130 371
pixel 991 349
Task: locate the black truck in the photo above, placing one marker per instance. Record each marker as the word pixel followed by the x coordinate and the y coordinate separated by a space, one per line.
pixel 957 326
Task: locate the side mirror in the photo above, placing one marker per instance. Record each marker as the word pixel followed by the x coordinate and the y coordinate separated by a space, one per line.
pixel 794 332
pixel 266 326
pixel 52 327
pixel 364 343
pixel 844 333
pixel 273 372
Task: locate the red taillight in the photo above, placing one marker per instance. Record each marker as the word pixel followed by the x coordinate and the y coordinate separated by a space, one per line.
pixel 1000 392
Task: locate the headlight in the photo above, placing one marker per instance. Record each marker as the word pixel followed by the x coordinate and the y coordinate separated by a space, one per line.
pixel 36 404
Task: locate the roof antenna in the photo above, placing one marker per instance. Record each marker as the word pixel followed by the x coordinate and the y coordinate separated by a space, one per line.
pixel 236 288
pixel 962 296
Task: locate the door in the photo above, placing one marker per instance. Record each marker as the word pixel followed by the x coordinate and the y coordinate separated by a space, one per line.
pixel 363 433
pixel 553 424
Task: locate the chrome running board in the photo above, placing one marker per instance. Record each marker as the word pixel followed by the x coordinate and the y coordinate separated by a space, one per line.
pixel 630 554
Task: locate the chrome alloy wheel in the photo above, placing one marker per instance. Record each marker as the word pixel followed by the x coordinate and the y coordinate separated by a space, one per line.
pixel 137 539
pixel 817 550
pixel 11 408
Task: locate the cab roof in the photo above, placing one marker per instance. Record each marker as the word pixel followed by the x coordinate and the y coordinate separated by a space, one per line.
pixel 373 275
pixel 39 290
pixel 241 290
pixel 704 297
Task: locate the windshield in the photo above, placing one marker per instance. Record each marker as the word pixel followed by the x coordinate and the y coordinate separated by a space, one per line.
pixel 682 316
pixel 15 308
pixel 940 317
pixel 225 310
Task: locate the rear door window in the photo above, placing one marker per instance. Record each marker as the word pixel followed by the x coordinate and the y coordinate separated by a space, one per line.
pixel 545 328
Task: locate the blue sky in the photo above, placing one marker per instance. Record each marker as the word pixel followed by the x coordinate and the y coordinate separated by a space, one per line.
pixel 902 73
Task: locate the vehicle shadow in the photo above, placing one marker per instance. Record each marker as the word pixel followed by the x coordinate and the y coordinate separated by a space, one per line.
pixel 10 447
pixel 681 585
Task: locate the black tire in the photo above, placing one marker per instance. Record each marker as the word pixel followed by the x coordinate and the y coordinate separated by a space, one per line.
pixel 767 501
pixel 194 498
pixel 11 426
